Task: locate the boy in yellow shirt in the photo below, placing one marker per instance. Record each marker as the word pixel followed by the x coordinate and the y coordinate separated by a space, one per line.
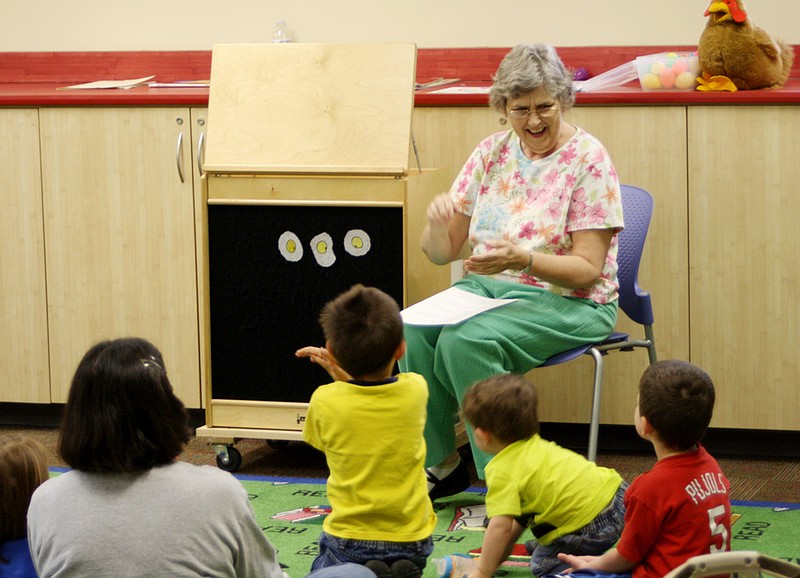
pixel 369 424
pixel 569 503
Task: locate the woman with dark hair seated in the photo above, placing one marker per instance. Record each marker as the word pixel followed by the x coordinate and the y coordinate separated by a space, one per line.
pixel 128 507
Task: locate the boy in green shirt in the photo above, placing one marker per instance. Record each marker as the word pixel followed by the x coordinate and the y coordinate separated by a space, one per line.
pixel 570 504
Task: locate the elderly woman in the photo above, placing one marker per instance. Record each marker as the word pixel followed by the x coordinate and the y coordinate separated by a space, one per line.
pixel 540 205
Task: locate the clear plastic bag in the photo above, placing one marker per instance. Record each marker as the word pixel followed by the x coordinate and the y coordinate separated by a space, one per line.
pixel 622 74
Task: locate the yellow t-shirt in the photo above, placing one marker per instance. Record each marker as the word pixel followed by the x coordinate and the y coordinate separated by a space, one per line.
pixel 555 485
pixel 372 439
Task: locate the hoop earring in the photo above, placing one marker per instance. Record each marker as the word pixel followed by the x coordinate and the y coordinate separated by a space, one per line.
pixel 502 120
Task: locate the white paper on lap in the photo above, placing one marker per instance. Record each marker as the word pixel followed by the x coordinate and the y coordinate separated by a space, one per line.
pixel 449 307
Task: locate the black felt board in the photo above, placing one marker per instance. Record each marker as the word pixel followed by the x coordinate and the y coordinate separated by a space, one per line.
pixel 264 307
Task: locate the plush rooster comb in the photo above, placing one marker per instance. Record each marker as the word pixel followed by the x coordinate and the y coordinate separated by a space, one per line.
pixel 738 14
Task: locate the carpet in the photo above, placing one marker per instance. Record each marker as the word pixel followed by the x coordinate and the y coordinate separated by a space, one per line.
pixel 291 511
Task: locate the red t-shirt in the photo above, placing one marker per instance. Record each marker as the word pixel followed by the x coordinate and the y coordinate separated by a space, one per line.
pixel 679 509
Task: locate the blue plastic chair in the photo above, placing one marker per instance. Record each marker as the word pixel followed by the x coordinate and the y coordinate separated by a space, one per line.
pixel 637 205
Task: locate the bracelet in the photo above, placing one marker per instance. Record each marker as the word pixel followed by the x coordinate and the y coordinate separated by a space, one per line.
pixel 527 269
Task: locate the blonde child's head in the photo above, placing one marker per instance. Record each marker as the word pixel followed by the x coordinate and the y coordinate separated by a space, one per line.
pixel 23 468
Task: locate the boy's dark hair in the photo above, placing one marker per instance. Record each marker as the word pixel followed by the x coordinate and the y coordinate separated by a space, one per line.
pixel 364 329
pixel 677 398
pixel 504 405
pixel 122 414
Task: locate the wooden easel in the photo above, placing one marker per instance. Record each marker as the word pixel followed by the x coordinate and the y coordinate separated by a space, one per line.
pixel 320 127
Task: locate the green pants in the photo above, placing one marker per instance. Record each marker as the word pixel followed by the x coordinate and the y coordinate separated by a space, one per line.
pixel 513 338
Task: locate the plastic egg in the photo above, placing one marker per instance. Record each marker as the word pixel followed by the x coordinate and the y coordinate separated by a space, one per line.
pixel 580 74
pixel 651 82
pixel 667 78
pixel 680 66
pixel 657 67
pixel 685 80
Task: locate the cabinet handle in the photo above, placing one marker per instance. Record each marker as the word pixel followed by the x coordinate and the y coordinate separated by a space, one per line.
pixel 201 141
pixel 179 156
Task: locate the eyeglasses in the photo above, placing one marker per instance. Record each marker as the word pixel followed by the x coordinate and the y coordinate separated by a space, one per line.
pixel 542 111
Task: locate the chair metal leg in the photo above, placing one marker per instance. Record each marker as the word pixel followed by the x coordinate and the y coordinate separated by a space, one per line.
pixel 597 392
pixel 651 349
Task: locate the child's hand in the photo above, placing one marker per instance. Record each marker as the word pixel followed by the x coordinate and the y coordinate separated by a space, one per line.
pixel 575 562
pixel 324 359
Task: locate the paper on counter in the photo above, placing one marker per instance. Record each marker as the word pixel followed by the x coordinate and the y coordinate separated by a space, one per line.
pixel 436 82
pixel 462 90
pixel 181 84
pixel 110 83
pixel 449 307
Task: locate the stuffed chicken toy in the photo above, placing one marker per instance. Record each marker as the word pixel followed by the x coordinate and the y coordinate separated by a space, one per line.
pixel 735 54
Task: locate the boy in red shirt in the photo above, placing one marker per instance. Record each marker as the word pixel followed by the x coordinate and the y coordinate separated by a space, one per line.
pixel 681 507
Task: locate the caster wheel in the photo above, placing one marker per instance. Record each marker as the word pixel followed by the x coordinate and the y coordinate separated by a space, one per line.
pixel 278 444
pixel 233 461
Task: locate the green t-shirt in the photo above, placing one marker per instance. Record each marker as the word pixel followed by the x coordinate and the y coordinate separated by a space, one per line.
pixel 553 485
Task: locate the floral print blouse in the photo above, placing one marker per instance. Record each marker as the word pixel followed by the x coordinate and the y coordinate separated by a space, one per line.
pixel 538 203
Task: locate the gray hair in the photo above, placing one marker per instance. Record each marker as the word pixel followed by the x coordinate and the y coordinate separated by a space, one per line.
pixel 526 68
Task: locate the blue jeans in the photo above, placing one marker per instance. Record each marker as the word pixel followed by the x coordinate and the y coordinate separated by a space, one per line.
pixel 333 551
pixel 592 540
pixel 343 571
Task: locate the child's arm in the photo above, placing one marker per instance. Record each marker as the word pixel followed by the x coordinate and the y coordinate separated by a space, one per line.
pixel 498 541
pixel 324 359
pixel 611 562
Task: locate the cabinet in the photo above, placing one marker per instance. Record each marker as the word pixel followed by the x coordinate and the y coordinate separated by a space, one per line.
pixel 98 241
pixel 119 219
pixel 648 146
pixel 744 249
pixel 24 370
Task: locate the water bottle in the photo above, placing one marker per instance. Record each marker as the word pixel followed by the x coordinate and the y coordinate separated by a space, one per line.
pixel 281 35
pixel 454 566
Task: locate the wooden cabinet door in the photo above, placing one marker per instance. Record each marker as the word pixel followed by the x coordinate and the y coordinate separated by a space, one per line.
pixel 199 118
pixel 24 369
pixel 648 147
pixel 744 249
pixel 119 223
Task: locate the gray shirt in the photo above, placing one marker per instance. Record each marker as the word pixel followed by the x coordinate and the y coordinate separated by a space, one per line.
pixel 177 520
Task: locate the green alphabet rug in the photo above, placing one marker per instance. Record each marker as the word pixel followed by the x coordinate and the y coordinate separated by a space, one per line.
pixel 291 512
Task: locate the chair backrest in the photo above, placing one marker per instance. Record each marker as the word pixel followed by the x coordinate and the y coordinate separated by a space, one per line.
pixel 637 205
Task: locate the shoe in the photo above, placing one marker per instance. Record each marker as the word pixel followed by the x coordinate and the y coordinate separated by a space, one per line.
pixel 531 545
pixel 453 483
pixel 379 568
pixel 405 569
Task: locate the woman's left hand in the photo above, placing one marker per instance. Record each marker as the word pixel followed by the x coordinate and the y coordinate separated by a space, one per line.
pixel 504 255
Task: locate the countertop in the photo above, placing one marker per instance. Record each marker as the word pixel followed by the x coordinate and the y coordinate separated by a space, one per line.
pixel 38 79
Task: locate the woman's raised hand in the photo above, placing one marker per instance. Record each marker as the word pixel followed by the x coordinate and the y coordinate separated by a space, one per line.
pixel 440 210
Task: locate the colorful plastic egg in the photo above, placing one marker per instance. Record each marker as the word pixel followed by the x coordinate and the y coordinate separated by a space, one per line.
pixel 680 66
pixel 667 78
pixel 685 80
pixel 651 82
pixel 657 67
